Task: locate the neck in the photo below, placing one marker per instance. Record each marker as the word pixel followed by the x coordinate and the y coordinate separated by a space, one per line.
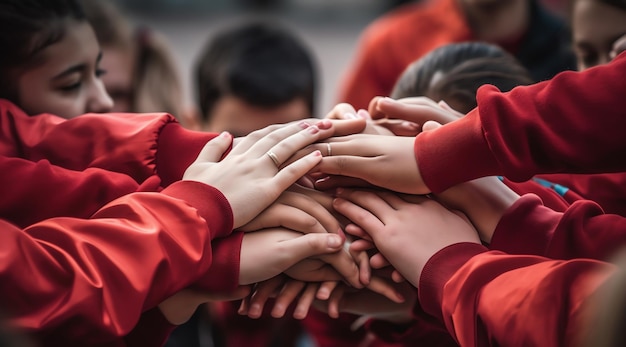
pixel 497 20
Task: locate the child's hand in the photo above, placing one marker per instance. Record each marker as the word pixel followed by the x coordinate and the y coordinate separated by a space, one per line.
pixel 178 308
pixel 369 303
pixel 346 111
pixel 256 170
pixel 267 253
pixel 406 233
pixel 417 110
pixel 484 201
pixel 297 209
pixel 384 161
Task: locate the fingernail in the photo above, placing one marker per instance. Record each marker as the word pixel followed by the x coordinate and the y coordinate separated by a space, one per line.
pixel 316 153
pixel 324 124
pixel 313 129
pixel 225 134
pixel 334 241
pixel 339 191
pixel 363 114
pixel 304 125
pixel 350 116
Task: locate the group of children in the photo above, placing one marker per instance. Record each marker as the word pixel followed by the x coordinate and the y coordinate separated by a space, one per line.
pixel 466 226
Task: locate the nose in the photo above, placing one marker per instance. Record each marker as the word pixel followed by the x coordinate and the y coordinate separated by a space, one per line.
pixel 99 100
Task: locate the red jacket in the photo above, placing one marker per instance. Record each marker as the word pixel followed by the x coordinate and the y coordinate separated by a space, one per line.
pixel 82 258
pixel 486 297
pixel 406 34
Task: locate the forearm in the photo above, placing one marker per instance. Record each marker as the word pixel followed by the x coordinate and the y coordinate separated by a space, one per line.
pixel 498 299
pixel 90 280
pixel 543 128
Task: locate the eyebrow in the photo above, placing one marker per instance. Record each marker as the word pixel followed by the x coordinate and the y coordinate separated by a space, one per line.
pixel 76 68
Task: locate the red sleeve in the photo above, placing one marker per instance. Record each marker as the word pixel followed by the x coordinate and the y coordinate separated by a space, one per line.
pixel 87 281
pixel 608 190
pixel 495 299
pixel 137 145
pixel 548 127
pixel 582 231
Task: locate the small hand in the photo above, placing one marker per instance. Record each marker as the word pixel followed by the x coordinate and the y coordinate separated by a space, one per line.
pixel 406 233
pixel 267 253
pixel 178 308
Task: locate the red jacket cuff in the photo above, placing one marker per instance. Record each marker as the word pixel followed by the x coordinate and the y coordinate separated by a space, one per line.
pixel 526 227
pixel 223 275
pixel 177 148
pixel 438 271
pixel 210 203
pixel 461 143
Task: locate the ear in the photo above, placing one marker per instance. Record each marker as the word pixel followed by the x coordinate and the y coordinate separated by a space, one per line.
pixel 191 118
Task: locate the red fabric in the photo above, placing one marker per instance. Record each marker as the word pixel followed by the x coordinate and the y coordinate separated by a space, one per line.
pixel 486 297
pixel 494 299
pixel 532 130
pixel 78 282
pixel 608 190
pixel 394 41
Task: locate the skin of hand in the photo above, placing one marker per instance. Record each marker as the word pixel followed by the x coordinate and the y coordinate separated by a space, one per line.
pixel 371 304
pixel 247 176
pixel 407 234
pixel 286 291
pixel 297 210
pixel 346 111
pixel 312 257
pixel 178 308
pixel 484 201
pixel 384 161
pixel 416 110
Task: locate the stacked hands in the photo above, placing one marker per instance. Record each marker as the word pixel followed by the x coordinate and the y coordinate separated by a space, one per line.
pixel 335 213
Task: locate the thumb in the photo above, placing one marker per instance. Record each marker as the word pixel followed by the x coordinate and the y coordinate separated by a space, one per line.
pixel 311 245
pixel 215 149
pixel 430 125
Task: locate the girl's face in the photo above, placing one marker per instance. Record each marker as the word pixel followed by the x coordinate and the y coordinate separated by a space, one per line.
pixel 595 27
pixel 65 80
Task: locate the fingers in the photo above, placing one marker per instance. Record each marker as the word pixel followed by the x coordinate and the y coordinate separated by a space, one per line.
pixel 307 246
pixel 380 286
pixel 431 125
pixel 287 295
pixel 359 215
pixel 419 111
pixel 289 217
pixel 378 261
pixel 305 301
pixel 263 291
pixel 344 264
pixel 214 150
pixel 325 289
pixel 342 111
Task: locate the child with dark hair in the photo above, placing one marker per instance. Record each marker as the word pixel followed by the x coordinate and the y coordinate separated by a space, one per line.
pixel 141 72
pixel 109 221
pixel 454 73
pixel 253 75
pixel 51 59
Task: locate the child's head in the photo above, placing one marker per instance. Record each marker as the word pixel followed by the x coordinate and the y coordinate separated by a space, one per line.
pixel 254 75
pixel 453 73
pixel 141 73
pixel 596 25
pixel 50 60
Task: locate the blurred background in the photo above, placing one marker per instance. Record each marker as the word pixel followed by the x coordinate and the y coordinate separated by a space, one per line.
pixel 330 28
